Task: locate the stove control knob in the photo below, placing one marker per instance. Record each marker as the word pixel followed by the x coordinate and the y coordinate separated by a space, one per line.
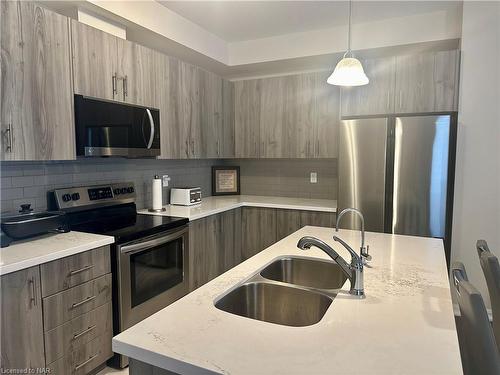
pixel 75 196
pixel 116 191
pixel 66 197
pixel 130 190
pixel 123 190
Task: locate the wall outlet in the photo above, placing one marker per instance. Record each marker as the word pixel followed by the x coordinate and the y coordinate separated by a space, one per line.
pixel 166 179
pixel 314 178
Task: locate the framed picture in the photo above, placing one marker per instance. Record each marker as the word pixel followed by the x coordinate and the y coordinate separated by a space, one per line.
pixel 225 180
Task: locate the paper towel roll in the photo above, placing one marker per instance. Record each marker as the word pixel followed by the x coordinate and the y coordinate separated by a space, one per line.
pixel 157 193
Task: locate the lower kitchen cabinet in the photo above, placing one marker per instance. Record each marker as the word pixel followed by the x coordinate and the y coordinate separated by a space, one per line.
pixel 215 246
pixel 289 221
pixel 70 329
pixel 21 320
pixel 258 227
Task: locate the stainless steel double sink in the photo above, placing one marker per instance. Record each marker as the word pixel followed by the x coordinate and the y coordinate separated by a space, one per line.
pixel 291 291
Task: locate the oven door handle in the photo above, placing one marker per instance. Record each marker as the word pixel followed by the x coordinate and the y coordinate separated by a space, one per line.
pixel 139 246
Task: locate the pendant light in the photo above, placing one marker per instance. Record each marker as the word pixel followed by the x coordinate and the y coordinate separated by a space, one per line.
pixel 349 71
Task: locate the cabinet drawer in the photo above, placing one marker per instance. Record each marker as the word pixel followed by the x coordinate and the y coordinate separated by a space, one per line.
pixel 68 272
pixel 84 359
pixel 64 306
pixel 77 332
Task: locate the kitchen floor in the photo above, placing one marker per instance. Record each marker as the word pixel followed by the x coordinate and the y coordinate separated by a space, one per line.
pixel 113 371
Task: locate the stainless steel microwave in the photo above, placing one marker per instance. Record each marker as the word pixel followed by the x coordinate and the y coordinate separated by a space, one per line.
pixel 107 128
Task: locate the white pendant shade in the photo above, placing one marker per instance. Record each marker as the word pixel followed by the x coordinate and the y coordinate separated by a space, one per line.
pixel 348 72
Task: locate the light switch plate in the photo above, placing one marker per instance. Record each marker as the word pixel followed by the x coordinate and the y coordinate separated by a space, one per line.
pixel 166 179
pixel 314 178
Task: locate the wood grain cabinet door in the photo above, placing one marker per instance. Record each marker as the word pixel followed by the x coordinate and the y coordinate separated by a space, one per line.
pixel 227 139
pixel 95 62
pixel 21 320
pixel 258 230
pixel 327 117
pixel 247 101
pixel 415 83
pixel 211 119
pixel 446 73
pixel 427 82
pixel 203 250
pixel 37 96
pixel 375 98
pixel 137 75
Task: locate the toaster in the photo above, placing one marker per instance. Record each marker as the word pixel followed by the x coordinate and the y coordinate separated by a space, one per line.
pixel 186 196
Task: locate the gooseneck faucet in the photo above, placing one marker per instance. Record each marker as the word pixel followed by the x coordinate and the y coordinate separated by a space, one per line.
pixel 363 250
pixel 353 271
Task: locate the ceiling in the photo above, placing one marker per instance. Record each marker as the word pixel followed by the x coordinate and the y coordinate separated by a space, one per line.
pixel 236 21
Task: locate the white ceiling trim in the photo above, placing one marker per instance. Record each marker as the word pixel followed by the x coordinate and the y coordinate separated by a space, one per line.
pixel 384 33
pixel 151 24
pixel 159 19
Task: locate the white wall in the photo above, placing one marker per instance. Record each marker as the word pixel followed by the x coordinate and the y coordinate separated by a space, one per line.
pixel 477 182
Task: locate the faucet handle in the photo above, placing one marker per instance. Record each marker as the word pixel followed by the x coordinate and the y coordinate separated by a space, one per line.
pixel 364 253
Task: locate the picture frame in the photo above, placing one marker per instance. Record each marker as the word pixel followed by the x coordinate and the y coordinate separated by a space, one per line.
pixel 225 180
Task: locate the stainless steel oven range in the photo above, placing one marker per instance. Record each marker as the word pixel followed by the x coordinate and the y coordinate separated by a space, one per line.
pixel 150 256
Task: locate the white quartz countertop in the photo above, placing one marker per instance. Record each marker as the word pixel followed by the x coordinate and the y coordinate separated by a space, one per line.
pixel 34 251
pixel 405 325
pixel 217 204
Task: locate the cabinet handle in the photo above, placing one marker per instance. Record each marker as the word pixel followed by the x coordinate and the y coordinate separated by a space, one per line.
pixel 114 83
pixel 317 147
pixel 78 367
pixel 192 148
pixel 187 148
pixel 7 133
pixel 88 299
pixel 86 268
pixel 218 148
pixel 33 291
pixel 125 87
pixel 85 331
pixel 387 104
pixel 400 99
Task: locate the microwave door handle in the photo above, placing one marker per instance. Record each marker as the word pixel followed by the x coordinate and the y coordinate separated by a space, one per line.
pixel 135 247
pixel 152 128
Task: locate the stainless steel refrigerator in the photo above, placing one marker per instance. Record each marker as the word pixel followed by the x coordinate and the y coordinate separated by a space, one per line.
pixel 399 171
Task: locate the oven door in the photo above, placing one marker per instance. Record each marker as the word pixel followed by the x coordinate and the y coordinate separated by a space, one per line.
pixel 153 273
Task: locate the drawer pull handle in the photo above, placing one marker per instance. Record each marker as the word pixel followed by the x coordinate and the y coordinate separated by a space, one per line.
pixel 85 331
pixel 86 268
pixel 88 299
pixel 78 367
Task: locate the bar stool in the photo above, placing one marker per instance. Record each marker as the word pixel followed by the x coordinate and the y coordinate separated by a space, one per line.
pixel 491 270
pixel 482 356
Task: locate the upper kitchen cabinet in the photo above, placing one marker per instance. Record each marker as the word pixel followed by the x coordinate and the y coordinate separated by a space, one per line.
pixel 211 119
pixel 137 75
pixel 427 82
pixel 292 116
pixel 377 97
pixel 227 135
pixel 108 67
pixel 95 62
pixel 247 118
pixel 327 118
pixel 37 96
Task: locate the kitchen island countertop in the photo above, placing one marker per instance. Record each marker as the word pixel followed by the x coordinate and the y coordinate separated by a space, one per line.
pixel 405 325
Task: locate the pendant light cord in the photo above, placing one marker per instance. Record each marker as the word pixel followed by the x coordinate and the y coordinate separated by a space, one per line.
pixel 349 31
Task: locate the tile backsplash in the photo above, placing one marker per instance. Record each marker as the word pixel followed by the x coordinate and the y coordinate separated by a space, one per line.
pixel 288 177
pixel 28 182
